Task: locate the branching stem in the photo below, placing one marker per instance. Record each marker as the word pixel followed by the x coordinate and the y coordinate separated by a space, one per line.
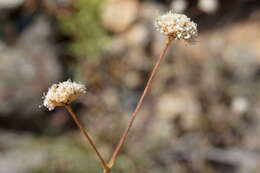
pixel 140 102
pixel 88 138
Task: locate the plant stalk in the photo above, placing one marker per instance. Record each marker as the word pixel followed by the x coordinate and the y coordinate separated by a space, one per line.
pixel 140 102
pixel 87 137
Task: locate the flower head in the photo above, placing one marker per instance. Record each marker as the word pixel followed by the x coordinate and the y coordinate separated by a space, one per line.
pixel 176 26
pixel 62 94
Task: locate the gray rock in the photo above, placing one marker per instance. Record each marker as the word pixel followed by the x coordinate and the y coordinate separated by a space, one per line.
pixel 27 69
pixel 8 4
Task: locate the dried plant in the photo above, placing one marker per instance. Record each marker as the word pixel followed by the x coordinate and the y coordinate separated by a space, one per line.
pixel 174 27
pixel 62 94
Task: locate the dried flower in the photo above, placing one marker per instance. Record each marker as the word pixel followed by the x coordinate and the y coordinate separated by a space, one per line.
pixel 62 94
pixel 176 26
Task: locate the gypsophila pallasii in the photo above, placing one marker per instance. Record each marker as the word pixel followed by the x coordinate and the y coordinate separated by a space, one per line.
pixel 176 26
pixel 62 94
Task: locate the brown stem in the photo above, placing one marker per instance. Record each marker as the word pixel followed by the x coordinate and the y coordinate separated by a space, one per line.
pixel 88 138
pixel 107 170
pixel 140 102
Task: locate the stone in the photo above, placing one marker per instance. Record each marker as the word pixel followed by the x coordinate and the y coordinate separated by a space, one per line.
pixel 138 59
pixel 9 4
pixel 239 50
pixel 208 6
pixel 180 103
pixel 15 157
pixel 179 6
pixel 132 79
pixel 150 10
pixel 27 69
pixel 116 47
pixel 118 15
pixel 137 36
pixel 240 105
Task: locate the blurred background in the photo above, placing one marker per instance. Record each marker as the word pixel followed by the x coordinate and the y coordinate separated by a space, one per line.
pixel 202 114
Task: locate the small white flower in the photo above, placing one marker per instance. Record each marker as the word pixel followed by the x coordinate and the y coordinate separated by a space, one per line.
pixel 62 94
pixel 176 26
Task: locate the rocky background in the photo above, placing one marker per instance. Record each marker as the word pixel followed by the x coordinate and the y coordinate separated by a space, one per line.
pixel 202 114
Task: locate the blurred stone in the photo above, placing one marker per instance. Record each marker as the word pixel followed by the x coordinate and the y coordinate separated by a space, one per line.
pixel 116 47
pixel 179 6
pixel 9 140
pixel 239 49
pixel 118 15
pixel 8 4
pixel 240 105
pixel 208 6
pixel 20 161
pixel 57 6
pixel 149 10
pixel 110 97
pixel 15 158
pixel 138 36
pixel 132 79
pixel 251 141
pixel 30 154
pixel 159 130
pixel 138 59
pixel 181 104
pixel 27 69
pixel 242 49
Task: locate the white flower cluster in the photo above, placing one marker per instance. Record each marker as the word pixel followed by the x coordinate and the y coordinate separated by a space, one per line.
pixel 62 94
pixel 176 26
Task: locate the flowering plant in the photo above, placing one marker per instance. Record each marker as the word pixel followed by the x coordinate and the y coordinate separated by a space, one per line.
pixel 175 27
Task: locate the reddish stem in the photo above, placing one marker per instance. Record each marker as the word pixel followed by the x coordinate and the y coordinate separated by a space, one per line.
pixel 140 102
pixel 88 138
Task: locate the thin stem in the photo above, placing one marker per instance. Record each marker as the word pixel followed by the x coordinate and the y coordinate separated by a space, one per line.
pixel 107 170
pixel 140 102
pixel 88 138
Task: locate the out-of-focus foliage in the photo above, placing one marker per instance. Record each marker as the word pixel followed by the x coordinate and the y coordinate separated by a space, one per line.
pixel 83 25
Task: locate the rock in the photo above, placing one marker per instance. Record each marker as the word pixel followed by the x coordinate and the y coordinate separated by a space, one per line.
pixel 240 105
pixel 9 4
pixel 238 51
pixel 14 159
pixel 118 15
pixel 110 97
pixel 241 49
pixel 137 36
pixel 150 10
pixel 116 47
pixel 208 6
pixel 138 59
pixel 28 154
pixel 180 104
pixel 160 130
pixel 27 69
pixel 132 79
pixel 58 3
pixel 179 6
